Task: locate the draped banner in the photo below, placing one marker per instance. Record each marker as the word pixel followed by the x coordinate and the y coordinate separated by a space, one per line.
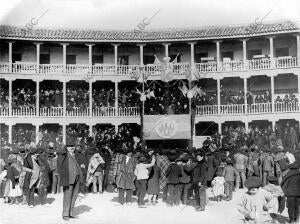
pixel 161 127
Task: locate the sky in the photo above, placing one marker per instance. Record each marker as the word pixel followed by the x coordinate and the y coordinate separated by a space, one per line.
pixel 127 14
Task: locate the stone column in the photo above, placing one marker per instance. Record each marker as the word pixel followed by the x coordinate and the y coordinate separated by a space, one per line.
pixel 141 53
pixel 37 127
pixel 38 46
pixel 272 93
pixel 193 67
pixel 245 53
pixel 245 95
pixel 166 49
pixel 116 56
pixel 10 97
pixel 91 130
pixel 116 98
pixel 64 57
pixel 37 100
pixel 218 56
pixel 10 55
pixel 220 128
pixel 298 50
pixel 271 39
pixel 65 98
pixel 10 133
pixel 219 95
pixel 90 57
pixel 246 126
pixel 91 98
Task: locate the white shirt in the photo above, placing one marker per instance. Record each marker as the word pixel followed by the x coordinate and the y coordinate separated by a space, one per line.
pixel 290 157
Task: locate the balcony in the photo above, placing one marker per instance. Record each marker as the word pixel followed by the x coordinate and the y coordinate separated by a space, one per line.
pixel 202 110
pixel 151 69
pixel 239 109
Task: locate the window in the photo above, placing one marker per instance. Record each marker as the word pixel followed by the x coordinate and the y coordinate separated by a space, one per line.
pixel 71 59
pixel 199 56
pixel 123 60
pixel 251 53
pixel 44 58
pixel 227 54
pixel 97 59
pixel 16 57
pixel 148 59
pixel 281 52
pixel 173 56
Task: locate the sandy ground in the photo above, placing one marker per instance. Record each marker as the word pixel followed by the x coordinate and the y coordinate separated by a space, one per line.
pixel 98 209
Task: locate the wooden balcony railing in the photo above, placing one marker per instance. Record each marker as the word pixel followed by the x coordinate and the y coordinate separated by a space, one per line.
pixel 104 112
pixel 259 108
pixel 201 110
pixel 24 111
pixel 150 69
pixel 52 112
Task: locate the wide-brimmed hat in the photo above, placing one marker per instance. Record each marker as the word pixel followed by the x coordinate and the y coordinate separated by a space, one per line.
pixel 294 165
pixel 272 180
pixel 253 182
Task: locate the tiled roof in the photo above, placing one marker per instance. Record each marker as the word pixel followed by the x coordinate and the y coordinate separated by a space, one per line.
pixel 211 32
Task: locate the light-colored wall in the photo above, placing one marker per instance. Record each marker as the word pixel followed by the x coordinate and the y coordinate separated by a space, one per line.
pixel 28 50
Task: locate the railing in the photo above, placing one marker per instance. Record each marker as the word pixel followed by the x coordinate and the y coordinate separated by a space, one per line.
pixel 259 108
pixel 129 112
pixel 233 66
pixel 24 111
pixel 103 69
pixel 258 64
pixel 51 69
pixel 4 111
pixel 285 62
pixel 181 68
pixel 78 69
pixel 77 112
pixel 24 67
pixel 232 109
pixel 286 107
pixel 52 112
pixel 4 67
pixel 207 67
pixel 104 112
pixel 151 69
pixel 128 69
pixel 207 110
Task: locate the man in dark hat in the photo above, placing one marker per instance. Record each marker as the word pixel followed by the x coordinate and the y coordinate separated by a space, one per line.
pixel 291 188
pixel 70 178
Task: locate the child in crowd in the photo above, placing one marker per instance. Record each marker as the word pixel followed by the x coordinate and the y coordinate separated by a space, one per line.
pixel 230 174
pixel 12 182
pixel 142 174
pixel 218 186
pixel 255 203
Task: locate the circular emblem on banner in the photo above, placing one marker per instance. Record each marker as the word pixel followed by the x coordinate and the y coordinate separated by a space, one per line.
pixel 166 127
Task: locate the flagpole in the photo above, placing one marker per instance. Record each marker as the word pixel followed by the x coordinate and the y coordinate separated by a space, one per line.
pixel 142 112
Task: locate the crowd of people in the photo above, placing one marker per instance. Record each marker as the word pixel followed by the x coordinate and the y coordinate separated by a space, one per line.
pixel 260 161
pixel 23 97
pixel 51 98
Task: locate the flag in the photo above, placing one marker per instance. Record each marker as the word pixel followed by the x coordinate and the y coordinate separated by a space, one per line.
pixel 175 59
pixel 156 60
